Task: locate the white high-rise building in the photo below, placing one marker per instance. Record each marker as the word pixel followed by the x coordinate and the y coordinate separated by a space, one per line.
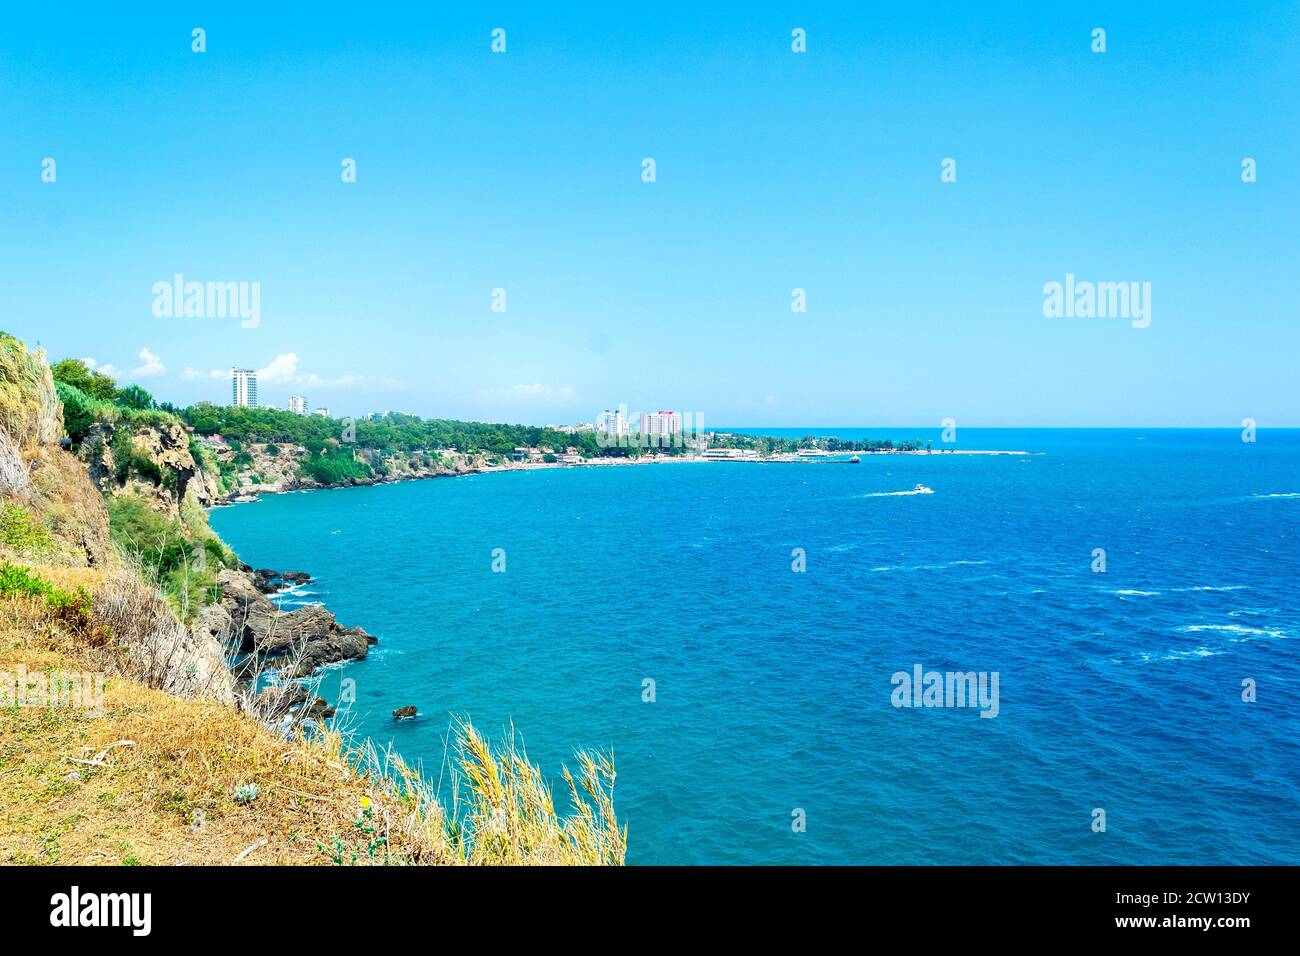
pixel 616 422
pixel 243 387
pixel 660 423
pixel 298 404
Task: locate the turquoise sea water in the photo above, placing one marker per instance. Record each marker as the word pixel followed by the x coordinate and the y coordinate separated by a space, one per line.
pixel 1118 690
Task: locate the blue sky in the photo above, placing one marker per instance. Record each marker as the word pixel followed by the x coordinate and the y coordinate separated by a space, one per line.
pixel 775 170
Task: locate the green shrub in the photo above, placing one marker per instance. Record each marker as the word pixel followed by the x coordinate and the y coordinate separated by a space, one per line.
pixel 81 411
pixel 70 607
pixel 129 460
pixel 16 579
pixel 134 397
pixel 21 532
pixel 182 557
pixel 94 385
pixel 333 465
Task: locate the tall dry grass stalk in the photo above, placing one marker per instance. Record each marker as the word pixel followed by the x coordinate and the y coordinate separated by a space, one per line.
pixel 149 644
pixel 501 811
pixel 29 406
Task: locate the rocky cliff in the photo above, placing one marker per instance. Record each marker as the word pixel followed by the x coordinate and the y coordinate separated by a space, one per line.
pixel 267 468
pixel 37 478
pixel 148 769
pixel 55 522
pixel 55 499
pixel 151 461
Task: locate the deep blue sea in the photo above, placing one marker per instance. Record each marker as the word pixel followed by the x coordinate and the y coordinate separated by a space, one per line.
pixel 1119 690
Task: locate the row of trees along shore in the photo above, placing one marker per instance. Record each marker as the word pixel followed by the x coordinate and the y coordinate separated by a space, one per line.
pixel 406 433
pixel 91 396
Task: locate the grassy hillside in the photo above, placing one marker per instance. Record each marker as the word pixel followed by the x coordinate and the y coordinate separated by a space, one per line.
pixel 188 780
pixel 170 759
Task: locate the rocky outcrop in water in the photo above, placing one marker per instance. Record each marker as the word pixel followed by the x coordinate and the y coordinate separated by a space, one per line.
pixel 295 701
pixel 297 642
pixel 273 582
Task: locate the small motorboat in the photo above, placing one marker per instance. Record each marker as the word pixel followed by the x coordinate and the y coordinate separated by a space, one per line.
pixel 854 460
pixel 921 489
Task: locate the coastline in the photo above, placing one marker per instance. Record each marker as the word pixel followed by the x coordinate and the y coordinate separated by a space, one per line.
pixel 236 497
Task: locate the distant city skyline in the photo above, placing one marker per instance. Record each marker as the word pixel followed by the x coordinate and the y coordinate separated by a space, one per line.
pixel 943 212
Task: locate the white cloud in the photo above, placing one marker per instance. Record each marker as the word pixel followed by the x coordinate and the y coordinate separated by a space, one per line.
pixel 92 365
pixel 283 370
pixel 152 365
pixel 563 393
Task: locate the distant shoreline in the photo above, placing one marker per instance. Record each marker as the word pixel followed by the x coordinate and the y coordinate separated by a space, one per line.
pixel 827 458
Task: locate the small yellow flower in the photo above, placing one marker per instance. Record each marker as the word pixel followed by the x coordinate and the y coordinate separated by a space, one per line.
pixel 365 803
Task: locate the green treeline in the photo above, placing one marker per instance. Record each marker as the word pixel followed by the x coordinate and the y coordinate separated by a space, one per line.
pixel 92 396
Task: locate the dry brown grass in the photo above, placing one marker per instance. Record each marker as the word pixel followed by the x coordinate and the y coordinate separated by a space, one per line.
pixel 169 797
pixel 500 810
pixel 29 407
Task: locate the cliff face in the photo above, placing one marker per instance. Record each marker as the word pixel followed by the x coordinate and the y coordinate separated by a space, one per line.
pixel 267 469
pixel 56 522
pixel 156 489
pixel 44 487
pixel 272 468
pixel 153 462
pixel 401 467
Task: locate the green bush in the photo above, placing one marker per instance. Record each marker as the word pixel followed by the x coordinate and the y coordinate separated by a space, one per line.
pixel 21 532
pixel 80 411
pixel 134 397
pixel 182 557
pixel 71 607
pixel 94 385
pixel 129 460
pixel 16 579
pixel 333 465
